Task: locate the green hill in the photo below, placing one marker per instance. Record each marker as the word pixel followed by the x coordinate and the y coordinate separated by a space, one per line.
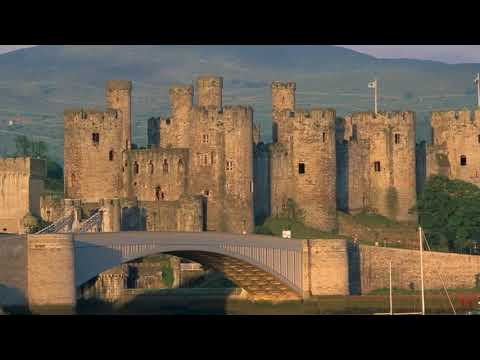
pixel 38 83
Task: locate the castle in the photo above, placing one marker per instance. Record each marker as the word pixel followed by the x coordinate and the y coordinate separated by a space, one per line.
pixel 206 167
pixel 197 173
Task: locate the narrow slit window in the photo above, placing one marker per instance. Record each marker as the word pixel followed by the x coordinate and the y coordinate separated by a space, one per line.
pixel 96 138
pixel 324 137
pixel 111 155
pixel 301 168
pixel 377 166
pixel 136 168
pixel 397 138
pixel 205 138
pixel 463 160
pixel 165 166
pixel 229 165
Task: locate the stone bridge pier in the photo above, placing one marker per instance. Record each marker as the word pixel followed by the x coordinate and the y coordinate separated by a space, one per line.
pixel 57 264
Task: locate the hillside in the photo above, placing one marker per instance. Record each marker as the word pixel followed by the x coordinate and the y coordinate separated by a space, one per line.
pixel 37 83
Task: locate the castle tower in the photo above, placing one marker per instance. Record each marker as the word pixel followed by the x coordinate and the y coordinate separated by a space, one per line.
pixel 209 91
pixel 181 102
pixel 118 96
pixel 238 167
pixel 283 100
pixel 388 141
pixel 455 144
pixel 93 151
pixel 313 162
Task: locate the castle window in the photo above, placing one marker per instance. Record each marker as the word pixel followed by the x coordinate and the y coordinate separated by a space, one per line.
pixel 377 166
pixel 463 160
pixel 165 166
pixel 206 192
pixel 324 136
pixel 96 138
pixel 301 168
pixel 181 166
pixel 150 168
pixel 110 155
pixel 205 138
pixel 168 121
pixel 205 159
pixel 159 194
pixel 136 168
pixel 397 138
pixel 229 165
pixel 479 139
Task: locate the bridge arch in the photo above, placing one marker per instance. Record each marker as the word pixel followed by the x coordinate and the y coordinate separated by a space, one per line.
pixel 264 266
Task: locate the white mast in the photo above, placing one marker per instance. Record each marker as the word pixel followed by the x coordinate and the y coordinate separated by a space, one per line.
pixel 391 297
pixel 421 269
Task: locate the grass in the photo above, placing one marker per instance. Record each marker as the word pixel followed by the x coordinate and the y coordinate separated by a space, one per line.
pixel 274 226
pixel 374 220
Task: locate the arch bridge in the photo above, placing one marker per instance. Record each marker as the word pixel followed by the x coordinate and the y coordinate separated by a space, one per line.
pixel 265 266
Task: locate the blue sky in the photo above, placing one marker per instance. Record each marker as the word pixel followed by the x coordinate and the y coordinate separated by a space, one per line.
pixel 445 53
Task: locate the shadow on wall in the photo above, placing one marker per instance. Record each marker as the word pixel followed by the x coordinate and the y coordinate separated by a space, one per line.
pixel 134 219
pixel 354 276
pixel 91 260
pixel 342 175
pixel 12 300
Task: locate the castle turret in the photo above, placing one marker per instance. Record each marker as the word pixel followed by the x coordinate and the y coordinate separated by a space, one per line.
pixel 209 91
pixel 118 97
pixel 283 101
pixel 181 101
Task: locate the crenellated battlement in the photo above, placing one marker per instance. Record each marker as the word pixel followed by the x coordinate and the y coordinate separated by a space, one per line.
pixel 455 118
pixel 279 85
pixel 388 118
pixel 24 165
pixel 181 90
pixel 91 114
pixel 209 81
pixel 112 85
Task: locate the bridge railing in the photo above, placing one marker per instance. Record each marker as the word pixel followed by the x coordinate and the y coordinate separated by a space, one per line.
pixel 58 226
pixel 94 222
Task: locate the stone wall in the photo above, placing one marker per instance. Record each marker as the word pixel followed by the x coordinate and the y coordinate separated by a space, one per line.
pixel 13 271
pixel 51 270
pixel 158 174
pixel 457 271
pixel 21 184
pixel 51 207
pixel 325 267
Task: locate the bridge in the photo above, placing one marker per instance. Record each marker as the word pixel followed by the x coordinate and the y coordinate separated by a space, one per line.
pixel 57 264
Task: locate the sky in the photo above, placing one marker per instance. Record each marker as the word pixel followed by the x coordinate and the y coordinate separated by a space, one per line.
pixel 446 53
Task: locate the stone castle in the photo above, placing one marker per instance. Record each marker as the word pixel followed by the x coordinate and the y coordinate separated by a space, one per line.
pixel 206 167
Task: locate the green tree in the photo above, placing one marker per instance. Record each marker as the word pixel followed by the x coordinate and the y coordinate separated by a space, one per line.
pixel 23 146
pixel 449 212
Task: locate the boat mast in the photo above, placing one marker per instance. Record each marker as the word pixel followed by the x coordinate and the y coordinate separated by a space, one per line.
pixel 421 269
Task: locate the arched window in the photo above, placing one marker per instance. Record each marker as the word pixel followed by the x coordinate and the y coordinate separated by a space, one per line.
pixel 463 160
pixel 135 168
pixel 110 155
pixel 158 191
pixel 165 166
pixel 96 138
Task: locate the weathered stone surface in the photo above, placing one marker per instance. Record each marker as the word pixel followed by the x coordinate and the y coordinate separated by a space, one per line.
pixel 21 184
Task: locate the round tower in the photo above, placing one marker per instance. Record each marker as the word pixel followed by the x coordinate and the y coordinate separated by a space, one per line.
pixel 283 98
pixel 314 167
pixel 118 96
pixel 209 90
pixel 181 102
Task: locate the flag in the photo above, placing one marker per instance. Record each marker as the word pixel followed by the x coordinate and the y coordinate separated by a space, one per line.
pixel 477 78
pixel 372 84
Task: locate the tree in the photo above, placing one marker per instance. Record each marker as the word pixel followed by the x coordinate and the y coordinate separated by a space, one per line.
pixel 23 146
pixel 449 212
